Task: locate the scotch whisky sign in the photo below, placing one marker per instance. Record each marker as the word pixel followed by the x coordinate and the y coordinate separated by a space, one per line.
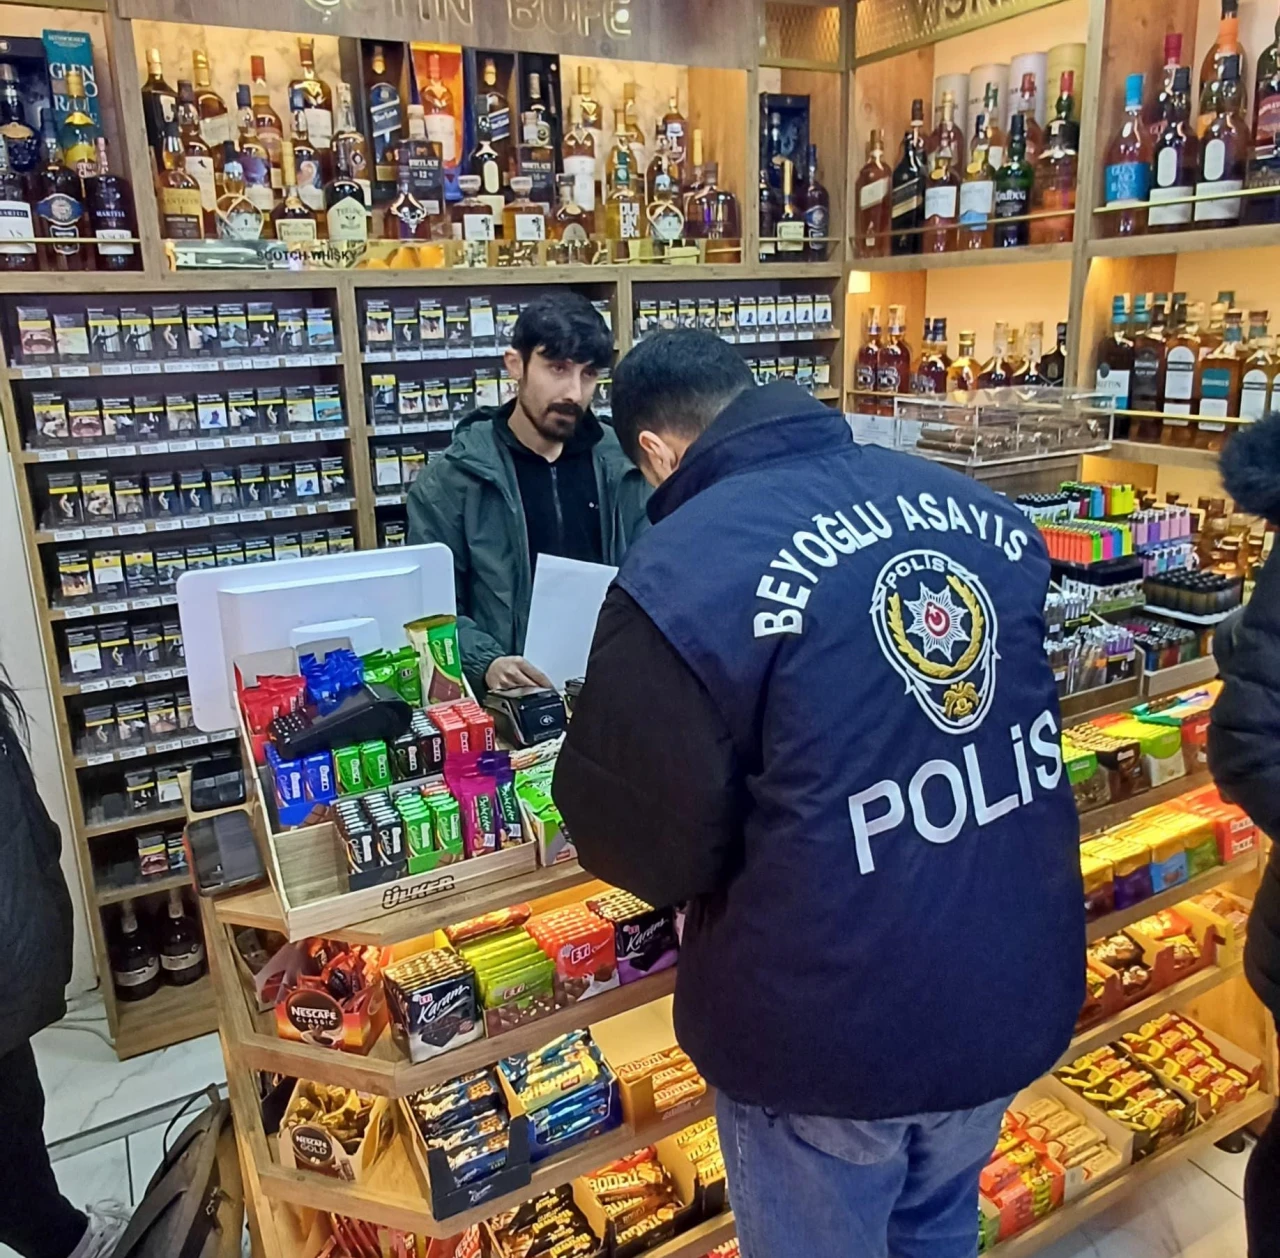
pixel 887 27
pixel 682 32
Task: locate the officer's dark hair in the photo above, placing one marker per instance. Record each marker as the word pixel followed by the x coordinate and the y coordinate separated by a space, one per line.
pixel 566 327
pixel 675 382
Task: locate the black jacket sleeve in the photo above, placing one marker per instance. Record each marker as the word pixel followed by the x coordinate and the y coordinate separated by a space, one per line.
pixel 1244 735
pixel 648 781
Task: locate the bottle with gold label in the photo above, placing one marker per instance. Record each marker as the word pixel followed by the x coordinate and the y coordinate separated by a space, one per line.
pixel 350 148
pixel 265 119
pixel 578 157
pixel 294 223
pixel 570 222
pixel 523 219
pixel 181 207
pixel 472 219
pixel 78 133
pixel 666 218
pixel 437 104
pixel 317 100
pixel 345 208
pixel 198 159
pixel 406 218
pixel 216 123
pixel 385 116
pixel 238 217
pixel 962 375
pixel 159 104
pixel 623 210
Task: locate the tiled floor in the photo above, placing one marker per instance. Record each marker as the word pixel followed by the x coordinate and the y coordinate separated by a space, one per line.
pixel 105 1125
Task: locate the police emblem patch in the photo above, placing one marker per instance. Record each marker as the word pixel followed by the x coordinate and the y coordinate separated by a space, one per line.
pixel 936 625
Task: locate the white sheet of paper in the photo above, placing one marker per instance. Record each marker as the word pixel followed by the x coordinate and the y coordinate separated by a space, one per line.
pixel 567 595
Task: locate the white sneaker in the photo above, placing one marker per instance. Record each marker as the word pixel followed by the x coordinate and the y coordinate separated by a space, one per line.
pixel 107 1222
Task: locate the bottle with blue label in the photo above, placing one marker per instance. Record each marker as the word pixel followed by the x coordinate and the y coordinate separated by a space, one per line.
pixel 1127 177
pixel 1115 357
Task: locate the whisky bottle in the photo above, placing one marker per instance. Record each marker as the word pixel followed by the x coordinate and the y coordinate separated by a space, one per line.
pixel 536 157
pixel 864 370
pixel 1033 136
pixel 666 218
pixel 425 172
pixel 893 362
pixel 1030 374
pixel 674 127
pixel 621 151
pixel 113 221
pixel 406 217
pixel 437 105
pixel 873 202
pixel 1226 45
pixel 255 161
pixel 1146 386
pixel 1054 363
pixel 1156 113
pixel 1127 173
pixel 472 217
pixel 624 210
pixel 769 209
pixel 941 201
pixel 345 204
pixel 181 206
pixel 523 219
pixel 486 166
pixel 660 164
pixel 1264 167
pixel 996 139
pixel 182 959
pixel 930 377
pixel 1175 162
pixel 1054 185
pixel 1224 152
pixel 1014 182
pixel 962 375
pixel 317 101
pixel 215 120
pixel 197 160
pixel 592 118
pixel 496 109
pixel 1257 384
pixel 17 230
pixel 947 135
pixel 135 964
pixel 715 209
pixel 696 176
pixel 238 217
pixel 791 228
pixel 384 117
pixel 816 206
pixel 1221 380
pixel 1115 357
pixel 997 372
pixel 159 106
pixel 306 157
pixel 266 121
pixel 350 149
pixel 294 223
pixel 570 222
pixel 59 210
pixel 78 132
pixel 909 178
pixel 578 157
pixel 23 142
pixel 977 192
pixel 635 136
pixel 1182 357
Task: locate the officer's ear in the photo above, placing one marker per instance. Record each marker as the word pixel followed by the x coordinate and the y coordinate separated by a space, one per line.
pixel 660 454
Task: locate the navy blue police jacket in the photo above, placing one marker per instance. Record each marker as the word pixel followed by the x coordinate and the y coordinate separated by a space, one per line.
pixel 818 705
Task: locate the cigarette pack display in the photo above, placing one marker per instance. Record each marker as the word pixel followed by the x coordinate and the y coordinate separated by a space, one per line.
pixel 258 550
pixel 270 407
pixel 127 489
pixel 261 318
pixel 148 417
pixel 378 333
pixel 327 404
pixel 140 790
pixel 486 387
pixel 279 483
pixel 306 480
pixel 117 418
pixel 292 330
pixel 107 567
pixel 49 418
pixel 84 419
pixel 171 563
pixel 65 505
pixel 99 728
pixel 84 653
pixel 179 415
pixel 202 331
pixel 175 652
pixel 409 399
pixel 233 328
pixel 404 323
pixel 105 343
pixel 211 412
pixel 169 331
pixel 431 325
pixel 333 477
pixel 804 314
pixel 252 485
pixel 153 854
pixel 242 409
pixel 224 494
pixel 95 490
pixel 382 399
pixel 135 330
pixel 483 328
pixel 412 462
pixel 462 396
pixel 147 640
pixel 71 334
pixel 457 328
pixel 131 721
pixel 342 540
pixel 162 716
pixel 36 343
pixel 299 404
pixel 140 570
pixel 320 327
pixel 168 788
pixel 163 500
pixel 435 398
pixel 386 467
pixel 228 553
pixel 194 488
pixel 507 316
pixel 287 546
pixel 200 557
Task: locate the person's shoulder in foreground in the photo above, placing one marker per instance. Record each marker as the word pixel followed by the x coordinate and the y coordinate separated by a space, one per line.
pixel 818 703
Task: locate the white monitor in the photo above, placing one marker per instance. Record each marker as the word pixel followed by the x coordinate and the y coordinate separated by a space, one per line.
pixel 366 597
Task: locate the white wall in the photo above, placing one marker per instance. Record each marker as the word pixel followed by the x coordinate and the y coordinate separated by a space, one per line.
pixel 22 656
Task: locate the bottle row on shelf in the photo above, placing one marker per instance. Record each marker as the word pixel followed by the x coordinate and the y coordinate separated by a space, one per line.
pixel 149 950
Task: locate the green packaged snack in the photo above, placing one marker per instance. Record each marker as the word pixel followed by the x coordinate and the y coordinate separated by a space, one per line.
pixel 376 762
pixel 447 825
pixel 417 832
pixel 407 679
pixel 346 761
pixel 520 983
pixel 435 642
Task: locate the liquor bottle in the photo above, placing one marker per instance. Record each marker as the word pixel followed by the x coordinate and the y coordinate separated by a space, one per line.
pixel 573 224
pixel 135 964
pixel 317 101
pixel 1221 378
pixel 1064 109
pixel 1115 357
pixel 159 106
pixel 406 218
pixel 696 176
pixel 437 104
pixel 485 164
pixel 1033 135
pixel 1054 363
pixel 816 208
pixel 791 227
pixel 977 192
pixel 769 209
pixel 1156 113
pixel 592 119
pixel 24 144
pixel 947 135
pixel 425 174
pixel 1227 44
pixel 1257 383
pixel 17 230
pixel 1146 385
pixel 997 140
pixel 346 210
pixel 1017 360
pixel 472 216
pixel 197 160
pixel 1264 167
pixel 384 117
pixel 941 201
pixel 537 158
pixel 294 223
pixel 1212 336
pixel 113 221
pixel 1054 186
pixel 78 133
pixel 623 210
pixel 181 203
pixel 238 217
pixel 266 121
pixel 893 362
pixel 864 370
pixel 675 127
pixel 578 157
pixel 997 371
pixel 1014 181
pixel 930 376
pixel 1182 355
pixel 874 203
pixel 909 178
pixel 664 211
pixel 255 161
pixel 215 120
pixel 1127 175
pixel 1030 373
pixel 621 150
pixel 182 959
pixel 1174 162
pixel 306 157
pixel 493 105
pixel 350 149
pixel 525 221
pixel 962 375
pixel 716 208
pixel 59 210
pixel 635 136
pixel 1224 152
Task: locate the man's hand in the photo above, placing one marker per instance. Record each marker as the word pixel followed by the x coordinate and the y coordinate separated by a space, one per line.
pixel 508 672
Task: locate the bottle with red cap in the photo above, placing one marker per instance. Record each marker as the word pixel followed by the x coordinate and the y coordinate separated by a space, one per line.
pixel 1156 113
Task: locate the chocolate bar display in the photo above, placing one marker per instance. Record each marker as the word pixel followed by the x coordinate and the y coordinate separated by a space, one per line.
pixel 433 1002
pixel 644 938
pixel 550 1223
